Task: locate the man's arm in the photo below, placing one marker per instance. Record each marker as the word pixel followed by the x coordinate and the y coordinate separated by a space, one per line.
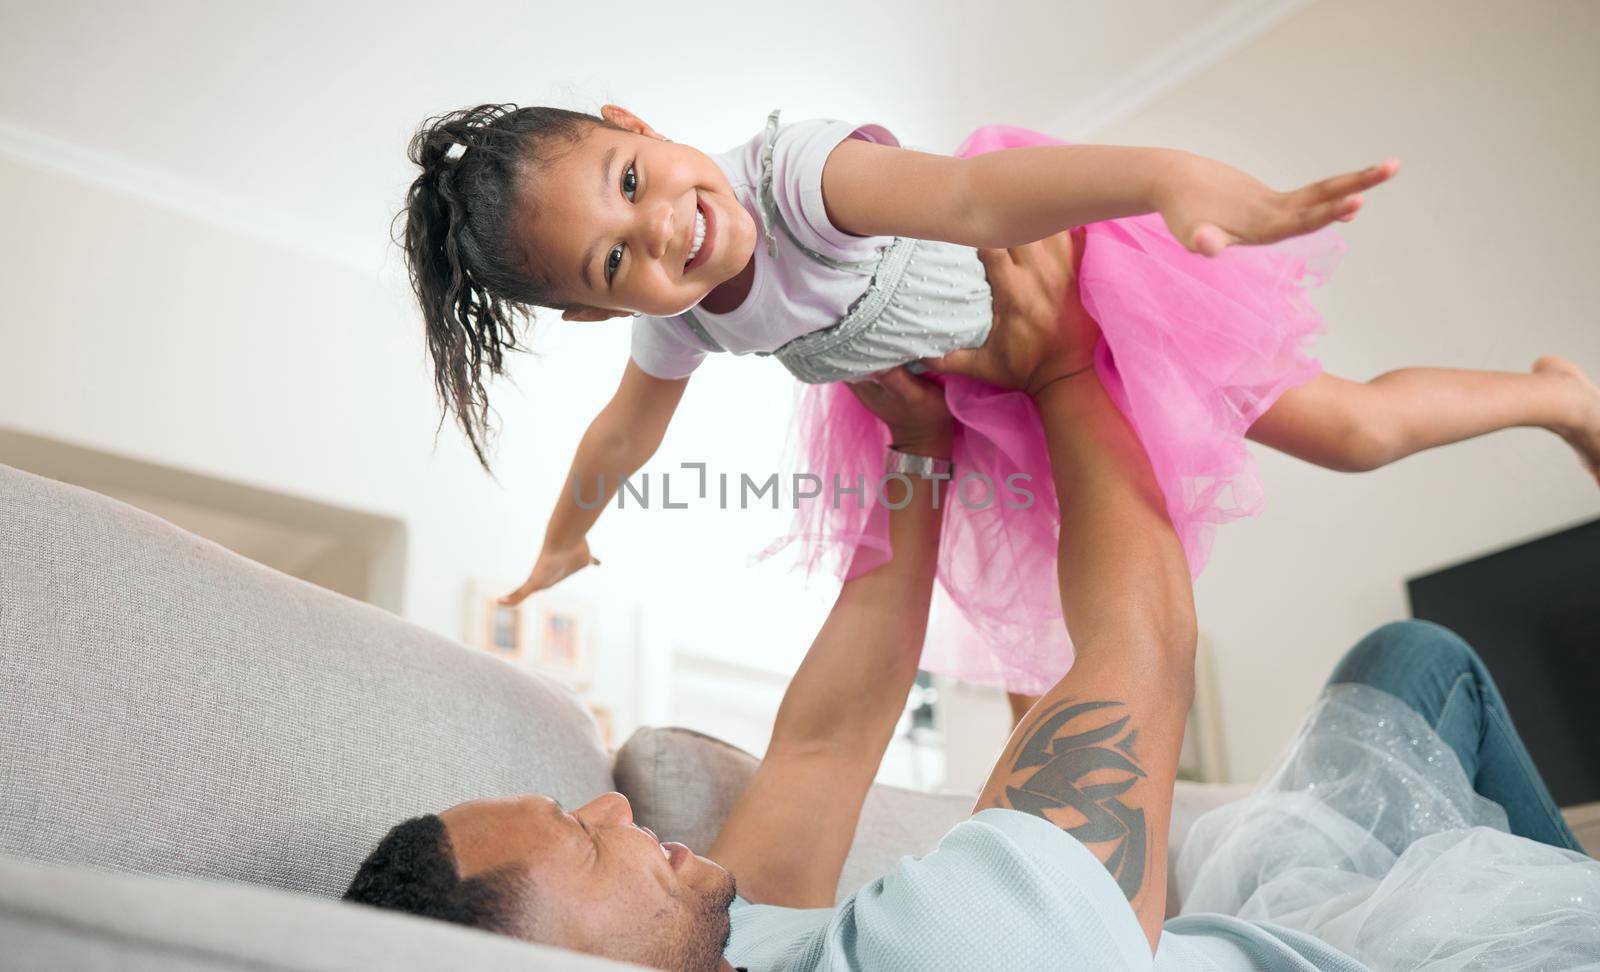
pixel 788 836
pixel 1098 754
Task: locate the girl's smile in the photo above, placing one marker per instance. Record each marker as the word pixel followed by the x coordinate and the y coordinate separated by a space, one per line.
pixel 705 236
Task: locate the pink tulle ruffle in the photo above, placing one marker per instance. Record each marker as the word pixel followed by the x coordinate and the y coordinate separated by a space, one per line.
pixel 1193 351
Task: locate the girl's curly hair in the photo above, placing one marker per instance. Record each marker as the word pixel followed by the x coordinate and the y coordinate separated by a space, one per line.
pixel 474 285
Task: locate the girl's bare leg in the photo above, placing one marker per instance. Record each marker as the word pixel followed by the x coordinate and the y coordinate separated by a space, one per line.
pixel 1355 426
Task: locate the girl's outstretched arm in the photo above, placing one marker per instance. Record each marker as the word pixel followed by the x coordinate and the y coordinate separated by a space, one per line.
pixel 1003 199
pixel 621 438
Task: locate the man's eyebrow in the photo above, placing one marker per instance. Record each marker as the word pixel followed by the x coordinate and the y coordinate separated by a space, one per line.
pixel 605 186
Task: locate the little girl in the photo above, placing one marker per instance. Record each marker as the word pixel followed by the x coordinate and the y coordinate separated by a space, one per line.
pixel 830 247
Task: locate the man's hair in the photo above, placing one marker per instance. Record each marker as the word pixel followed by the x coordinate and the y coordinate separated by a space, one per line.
pixel 413 869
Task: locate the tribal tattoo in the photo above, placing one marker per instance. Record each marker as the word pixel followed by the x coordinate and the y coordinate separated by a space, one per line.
pixel 1067 747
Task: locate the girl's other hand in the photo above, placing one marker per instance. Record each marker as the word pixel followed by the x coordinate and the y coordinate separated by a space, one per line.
pixel 913 408
pixel 553 566
pixel 1209 206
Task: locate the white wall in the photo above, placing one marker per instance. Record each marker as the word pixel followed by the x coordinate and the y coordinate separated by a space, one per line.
pixel 139 331
pixel 1482 255
pixel 130 328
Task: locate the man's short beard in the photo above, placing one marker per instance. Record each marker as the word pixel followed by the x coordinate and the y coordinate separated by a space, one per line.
pixel 708 938
pixel 724 908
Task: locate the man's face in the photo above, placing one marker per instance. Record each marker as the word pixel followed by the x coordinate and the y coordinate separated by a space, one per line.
pixel 599 883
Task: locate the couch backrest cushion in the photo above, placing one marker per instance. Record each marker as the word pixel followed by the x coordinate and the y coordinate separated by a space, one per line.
pixel 167 706
pixel 77 920
pixel 683 785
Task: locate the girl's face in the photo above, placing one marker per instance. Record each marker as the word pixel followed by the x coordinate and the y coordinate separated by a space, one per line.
pixel 626 221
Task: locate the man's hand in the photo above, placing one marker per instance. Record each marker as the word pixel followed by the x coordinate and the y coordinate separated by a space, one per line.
pixel 1209 206
pixel 1041 330
pixel 913 408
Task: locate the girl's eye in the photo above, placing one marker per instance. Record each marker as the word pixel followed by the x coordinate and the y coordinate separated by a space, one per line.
pixel 630 184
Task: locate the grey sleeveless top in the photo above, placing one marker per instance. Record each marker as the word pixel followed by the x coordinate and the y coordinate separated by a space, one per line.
pixel 923 299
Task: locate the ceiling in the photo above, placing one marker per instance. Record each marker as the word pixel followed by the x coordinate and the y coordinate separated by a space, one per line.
pixel 288 120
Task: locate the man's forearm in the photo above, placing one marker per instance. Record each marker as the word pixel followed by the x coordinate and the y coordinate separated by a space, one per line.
pixel 1122 568
pixel 788 835
pixel 1097 755
pixel 850 690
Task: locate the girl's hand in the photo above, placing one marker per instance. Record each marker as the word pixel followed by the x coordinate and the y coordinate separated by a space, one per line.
pixel 913 408
pixel 552 566
pixel 1209 206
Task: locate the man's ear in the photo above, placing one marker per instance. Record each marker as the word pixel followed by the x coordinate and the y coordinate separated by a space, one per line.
pixel 623 118
pixel 591 315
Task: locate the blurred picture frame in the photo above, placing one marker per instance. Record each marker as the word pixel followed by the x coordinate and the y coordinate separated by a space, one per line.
pixel 495 628
pixel 560 638
pixel 505 631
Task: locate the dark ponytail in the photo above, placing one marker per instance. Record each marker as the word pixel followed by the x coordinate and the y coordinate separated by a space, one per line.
pixel 475 286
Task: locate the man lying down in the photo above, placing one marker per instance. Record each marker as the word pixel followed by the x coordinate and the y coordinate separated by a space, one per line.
pixel 1405 828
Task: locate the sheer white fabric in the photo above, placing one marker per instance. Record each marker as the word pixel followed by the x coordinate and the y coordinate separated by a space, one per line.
pixel 1369 836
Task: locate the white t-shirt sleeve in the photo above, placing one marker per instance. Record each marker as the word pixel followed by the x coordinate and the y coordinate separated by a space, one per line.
pixel 798 156
pixel 665 348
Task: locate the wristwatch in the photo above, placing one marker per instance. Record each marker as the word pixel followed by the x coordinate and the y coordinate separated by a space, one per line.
pixel 925 467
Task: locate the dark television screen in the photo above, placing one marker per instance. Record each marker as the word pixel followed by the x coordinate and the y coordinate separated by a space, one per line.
pixel 1533 613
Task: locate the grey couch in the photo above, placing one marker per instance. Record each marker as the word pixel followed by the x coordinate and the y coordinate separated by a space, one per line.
pixel 196 752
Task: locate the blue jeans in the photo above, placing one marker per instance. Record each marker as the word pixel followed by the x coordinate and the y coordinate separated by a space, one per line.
pixel 1436 673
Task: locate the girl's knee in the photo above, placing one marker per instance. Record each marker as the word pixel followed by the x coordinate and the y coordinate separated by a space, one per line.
pixel 1369 442
pixel 1371 431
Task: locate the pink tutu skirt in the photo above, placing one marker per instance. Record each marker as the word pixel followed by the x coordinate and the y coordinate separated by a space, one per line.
pixel 1193 350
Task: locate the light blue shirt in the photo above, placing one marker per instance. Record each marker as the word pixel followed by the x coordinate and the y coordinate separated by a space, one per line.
pixel 1006 890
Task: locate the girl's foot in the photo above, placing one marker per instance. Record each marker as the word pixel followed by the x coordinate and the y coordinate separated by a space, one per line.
pixel 1582 431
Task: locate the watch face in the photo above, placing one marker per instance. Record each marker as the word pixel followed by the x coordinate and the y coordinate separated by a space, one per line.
pixel 926 467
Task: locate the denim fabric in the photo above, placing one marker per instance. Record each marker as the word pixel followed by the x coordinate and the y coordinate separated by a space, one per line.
pixel 1436 673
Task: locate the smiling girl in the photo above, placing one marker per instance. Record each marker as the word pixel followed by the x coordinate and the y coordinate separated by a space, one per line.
pixel 842 254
